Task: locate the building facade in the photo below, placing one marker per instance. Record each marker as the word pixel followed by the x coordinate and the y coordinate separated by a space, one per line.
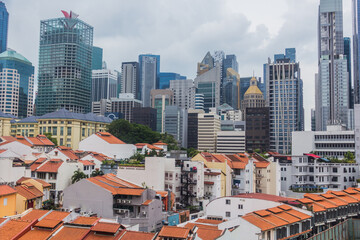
pixel 284 95
pixel 164 78
pixel 253 97
pixel 230 90
pixel 4 22
pixel 101 107
pixel 97 58
pixel 230 142
pixel 208 126
pixel 16 84
pixel 149 70
pixel 257 129
pixel 160 98
pixel 176 124
pixel 64 78
pixel 184 93
pixel 356 49
pixel 130 78
pixel 145 116
pixel 104 84
pixel 125 104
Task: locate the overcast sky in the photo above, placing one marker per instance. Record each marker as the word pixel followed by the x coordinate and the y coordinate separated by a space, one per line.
pixel 183 31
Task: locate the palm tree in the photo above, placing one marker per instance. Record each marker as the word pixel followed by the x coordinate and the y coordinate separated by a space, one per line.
pixel 97 172
pixel 78 175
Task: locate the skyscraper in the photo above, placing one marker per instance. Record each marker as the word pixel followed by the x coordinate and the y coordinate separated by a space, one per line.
pixel 356 49
pixel 284 95
pixel 64 78
pixel 253 97
pixel 149 70
pixel 347 53
pixel 4 22
pixel 164 78
pixel 130 78
pixel 184 93
pixel 16 84
pixel 332 86
pixel 230 62
pixel 97 58
pixel 104 84
pixel 231 89
pixel 160 98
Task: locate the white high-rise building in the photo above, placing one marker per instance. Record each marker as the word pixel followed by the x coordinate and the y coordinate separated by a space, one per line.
pixel 130 78
pixel 104 84
pixel 184 93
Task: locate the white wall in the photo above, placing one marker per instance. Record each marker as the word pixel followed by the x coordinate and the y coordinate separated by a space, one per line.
pixel 11 174
pixel 357 132
pixel 18 148
pixel 302 142
pixel 96 144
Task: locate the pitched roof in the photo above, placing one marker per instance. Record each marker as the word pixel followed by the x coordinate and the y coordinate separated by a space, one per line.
pixel 116 185
pixel 174 232
pixel 40 140
pixel 73 233
pixel 109 138
pixel 65 114
pixel 141 145
pixel 209 221
pixel 261 164
pixel 48 223
pixel 87 162
pixel 29 192
pixel 14 228
pixel 106 227
pixel 85 220
pixel 51 166
pixel 208 234
pixel 130 235
pixel 34 215
pixel 6 190
pixel 68 152
pixel 159 143
pixel 57 215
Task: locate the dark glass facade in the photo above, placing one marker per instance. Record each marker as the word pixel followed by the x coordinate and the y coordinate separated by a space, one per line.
pixel 97 58
pixel 347 52
pixel 257 129
pixel 65 57
pixel 145 116
pixel 193 125
pixel 163 80
pixel 149 71
pixel 4 22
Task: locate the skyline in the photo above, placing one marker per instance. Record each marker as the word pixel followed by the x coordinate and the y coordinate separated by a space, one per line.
pixel 250 32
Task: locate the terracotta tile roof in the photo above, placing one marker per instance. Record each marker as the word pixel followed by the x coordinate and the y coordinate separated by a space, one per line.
pixel 208 234
pixel 106 227
pixel 29 192
pixel 34 215
pixel 163 194
pixel 159 143
pixel 43 183
pixel 298 214
pixel 238 165
pixel 22 140
pixel 38 234
pixel 6 190
pixel 212 173
pixel 40 140
pixel 259 222
pixel 51 166
pixel 174 232
pixel 305 200
pixel 317 208
pixel 57 215
pixel 208 182
pixel 87 162
pixel 326 204
pixel 141 145
pixel 313 197
pixel 262 164
pixel 147 202
pixel 48 223
pixel 13 228
pixel 2 220
pixel 264 196
pixel 97 236
pixel 85 220
pixel 200 225
pixel 116 185
pixel 72 233
pixel 68 152
pixel 109 138
pixel 132 235
pixel 209 157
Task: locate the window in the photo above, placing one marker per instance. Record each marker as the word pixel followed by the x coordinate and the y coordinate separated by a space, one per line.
pixel 61 131
pixel 41 175
pixel 240 206
pixel 69 131
pixel 5 201
pixel 83 132
pixel 227 201
pixel 53 186
pixel 227 214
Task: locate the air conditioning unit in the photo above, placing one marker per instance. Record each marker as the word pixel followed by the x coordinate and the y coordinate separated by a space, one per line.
pixel 119 201
pixel 128 201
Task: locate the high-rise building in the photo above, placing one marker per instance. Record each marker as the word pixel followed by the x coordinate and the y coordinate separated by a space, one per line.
pixel 347 53
pixel 176 124
pixel 193 127
pixel 332 86
pixel 104 84
pixel 160 98
pixel 64 78
pixel 231 89
pixel 184 93
pixel 208 126
pixel 149 70
pixel 16 84
pixel 284 87
pixel 145 116
pixel 164 78
pixel 130 77
pixel 97 58
pixel 4 22
pixel 253 97
pixel 208 84
pixel 245 84
pixel 101 107
pixel 356 49
pixel 206 64
pixel 230 62
pixel 313 125
pixel 199 101
pixel 125 104
pixel 257 129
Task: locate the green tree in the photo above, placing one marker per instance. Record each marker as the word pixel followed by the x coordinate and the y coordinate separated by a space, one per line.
pixel 349 157
pixel 96 172
pixel 78 175
pixel 170 141
pixel 49 136
pixel 192 152
pixel 138 157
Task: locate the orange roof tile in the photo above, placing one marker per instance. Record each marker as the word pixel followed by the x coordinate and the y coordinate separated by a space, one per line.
pixel 6 190
pixel 2 220
pixel 275 210
pixel 85 220
pixel 163 194
pixel 103 236
pixel 57 215
pixel 238 165
pixel 317 208
pixel 313 197
pixel 72 233
pixel 48 223
pixel 174 232
pixel 285 207
pixel 326 204
pixel 13 228
pixel 29 192
pixel 298 214
pixel 106 227
pixel 109 138
pixel 305 200
pixel 147 202
pixel 34 215
pixel 87 162
pixel 208 234
pixel 131 235
pixel 262 213
pixel 141 145
pixel 209 221
pixel 262 164
pixel 338 202
pixel 159 143
pixel 191 225
pixel 68 152
pixel 258 221
pixel 50 166
pixel 38 234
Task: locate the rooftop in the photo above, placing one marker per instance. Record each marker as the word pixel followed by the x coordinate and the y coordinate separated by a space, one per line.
pixel 6 190
pixel 65 114
pixel 109 138
pixel 174 232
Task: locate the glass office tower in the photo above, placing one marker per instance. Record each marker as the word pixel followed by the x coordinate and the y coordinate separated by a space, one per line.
pixel 64 79
pixel 4 22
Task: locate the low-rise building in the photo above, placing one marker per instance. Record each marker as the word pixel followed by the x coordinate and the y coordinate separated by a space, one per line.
pixel 11 167
pixel 28 196
pixel 112 197
pixel 7 201
pixel 125 104
pixel 41 185
pixel 106 143
pixel 5 125
pixel 267 176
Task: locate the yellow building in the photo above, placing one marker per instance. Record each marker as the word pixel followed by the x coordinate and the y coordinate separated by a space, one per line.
pixel 67 127
pixel 43 186
pixel 28 196
pixel 217 161
pixel 5 124
pixel 7 201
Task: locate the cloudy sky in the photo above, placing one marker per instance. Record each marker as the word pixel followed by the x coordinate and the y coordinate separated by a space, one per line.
pixel 183 31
